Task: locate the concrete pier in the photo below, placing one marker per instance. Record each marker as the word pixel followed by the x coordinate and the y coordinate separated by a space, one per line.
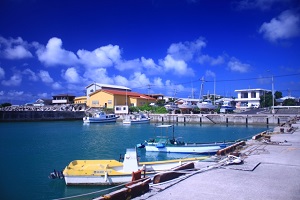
pixel 270 171
pixel 256 119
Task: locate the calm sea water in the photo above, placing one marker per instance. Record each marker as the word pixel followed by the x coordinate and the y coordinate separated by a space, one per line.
pixel 29 151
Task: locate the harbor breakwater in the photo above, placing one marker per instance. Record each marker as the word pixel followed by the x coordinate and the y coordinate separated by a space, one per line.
pixel 8 116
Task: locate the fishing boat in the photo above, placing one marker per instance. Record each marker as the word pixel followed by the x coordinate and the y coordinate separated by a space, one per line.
pixel 171 106
pixel 164 143
pixel 100 117
pixel 139 118
pixel 228 105
pixel 112 172
pixel 187 105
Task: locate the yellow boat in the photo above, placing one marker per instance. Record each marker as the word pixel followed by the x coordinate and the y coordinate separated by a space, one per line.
pixel 110 172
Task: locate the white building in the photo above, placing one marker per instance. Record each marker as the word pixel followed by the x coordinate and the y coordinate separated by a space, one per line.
pixel 249 98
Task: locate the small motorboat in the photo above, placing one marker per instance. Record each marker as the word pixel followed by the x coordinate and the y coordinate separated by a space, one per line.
pixel 139 118
pixel 163 142
pixel 100 117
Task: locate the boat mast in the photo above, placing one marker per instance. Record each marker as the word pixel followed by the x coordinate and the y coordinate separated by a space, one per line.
pixel 201 88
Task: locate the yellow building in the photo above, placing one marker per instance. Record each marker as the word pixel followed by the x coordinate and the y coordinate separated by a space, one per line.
pixel 80 100
pixel 110 98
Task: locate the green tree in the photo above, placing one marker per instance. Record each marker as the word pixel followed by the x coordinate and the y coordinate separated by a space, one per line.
pixel 289 102
pixel 5 104
pixel 278 95
pixel 266 100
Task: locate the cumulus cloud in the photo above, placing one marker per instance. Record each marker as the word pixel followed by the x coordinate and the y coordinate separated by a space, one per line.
pixel 236 66
pixel 139 79
pixel 104 56
pixel 285 26
pixel 32 76
pixel 2 73
pixel 45 76
pixel 71 75
pixel 15 80
pixel 98 75
pixel 14 48
pixel 186 50
pixel 150 66
pixel 129 65
pixel 121 80
pixel 177 67
pixel 53 54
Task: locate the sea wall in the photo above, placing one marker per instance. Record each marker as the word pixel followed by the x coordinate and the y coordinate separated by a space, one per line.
pixel 40 115
pixel 221 119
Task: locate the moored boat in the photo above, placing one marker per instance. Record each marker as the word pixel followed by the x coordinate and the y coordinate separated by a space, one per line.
pixel 100 117
pixel 111 172
pixel 139 118
pixel 163 142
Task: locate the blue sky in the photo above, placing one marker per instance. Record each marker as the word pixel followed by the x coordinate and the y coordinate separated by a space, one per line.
pixel 167 46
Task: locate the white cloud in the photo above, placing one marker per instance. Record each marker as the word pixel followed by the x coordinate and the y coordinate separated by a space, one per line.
pixel 104 56
pixel 209 73
pixel 177 67
pixel 284 27
pixel 187 50
pixel 129 65
pixel 14 48
pixel 120 80
pixel 42 95
pixel 15 93
pixel 56 86
pixel 71 75
pixel 54 54
pixel 139 80
pixel 31 74
pixel 256 4
pixel 212 61
pixel 236 66
pixel 2 73
pixel 98 75
pixel 15 80
pixel 45 77
pixel 150 66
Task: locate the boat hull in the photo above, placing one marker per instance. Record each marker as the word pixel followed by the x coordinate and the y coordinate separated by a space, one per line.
pixel 95 120
pixel 203 149
pixel 112 172
pixel 143 121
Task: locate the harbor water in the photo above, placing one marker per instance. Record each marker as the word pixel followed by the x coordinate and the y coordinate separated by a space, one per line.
pixel 29 151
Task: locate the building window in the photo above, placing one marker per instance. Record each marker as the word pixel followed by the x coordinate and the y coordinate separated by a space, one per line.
pixel 109 101
pixel 244 95
pixel 253 94
pixel 96 102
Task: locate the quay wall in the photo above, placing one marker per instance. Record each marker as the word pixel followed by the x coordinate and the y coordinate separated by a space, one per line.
pixel 6 116
pixel 155 118
pixel 221 118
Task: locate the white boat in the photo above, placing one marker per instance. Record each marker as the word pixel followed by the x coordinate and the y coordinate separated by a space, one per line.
pixel 100 117
pixel 163 142
pixel 171 106
pixel 228 105
pixel 206 105
pixel 139 118
pixel 187 105
pixel 110 172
